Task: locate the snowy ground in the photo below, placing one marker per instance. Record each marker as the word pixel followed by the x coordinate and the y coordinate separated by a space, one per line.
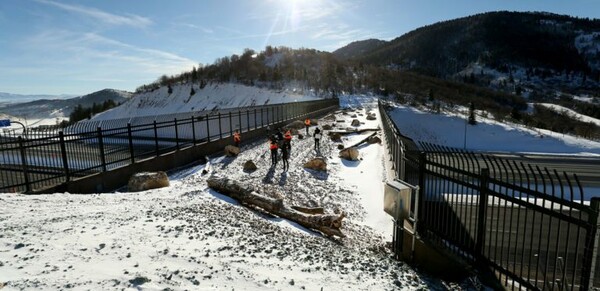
pixel 488 135
pixel 187 236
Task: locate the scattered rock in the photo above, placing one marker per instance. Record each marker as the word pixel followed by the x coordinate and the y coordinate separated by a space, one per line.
pixel 249 166
pixel 350 154
pixel 232 151
pixel 300 136
pixel 340 146
pixel 147 180
pixel 353 116
pixel 19 245
pixel 139 281
pixel 355 122
pixel 327 127
pixel 298 124
pixel 317 164
pixel 371 116
pixel 335 137
pixel 374 139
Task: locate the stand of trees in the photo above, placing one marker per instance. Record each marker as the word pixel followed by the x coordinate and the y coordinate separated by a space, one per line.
pixel 81 113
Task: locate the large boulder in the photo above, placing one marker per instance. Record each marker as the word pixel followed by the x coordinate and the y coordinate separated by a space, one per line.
pixel 335 137
pixel 355 122
pixel 232 151
pixel 371 116
pixel 298 124
pixel 147 180
pixel 327 127
pixel 317 164
pixel 374 139
pixel 350 154
pixel 249 166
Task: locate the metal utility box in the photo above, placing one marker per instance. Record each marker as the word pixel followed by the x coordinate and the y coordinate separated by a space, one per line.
pixel 397 200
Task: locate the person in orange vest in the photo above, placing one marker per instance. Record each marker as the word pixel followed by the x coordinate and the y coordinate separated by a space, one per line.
pixel 287 137
pixel 307 125
pixel 285 155
pixel 273 147
pixel 236 138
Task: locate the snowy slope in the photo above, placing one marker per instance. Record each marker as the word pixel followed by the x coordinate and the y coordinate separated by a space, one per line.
pixel 561 109
pixel 213 96
pixel 488 135
pixel 187 236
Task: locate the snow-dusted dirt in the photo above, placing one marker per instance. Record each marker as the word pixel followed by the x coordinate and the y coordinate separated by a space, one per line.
pixel 187 236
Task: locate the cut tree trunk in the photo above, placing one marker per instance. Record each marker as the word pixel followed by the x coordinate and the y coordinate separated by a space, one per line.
pixel 343 132
pixel 327 224
pixel 309 210
pixel 362 141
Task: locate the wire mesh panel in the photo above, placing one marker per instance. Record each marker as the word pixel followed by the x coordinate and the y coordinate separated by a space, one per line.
pixel 529 224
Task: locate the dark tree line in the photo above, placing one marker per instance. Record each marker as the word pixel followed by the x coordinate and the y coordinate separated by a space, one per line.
pixel 81 113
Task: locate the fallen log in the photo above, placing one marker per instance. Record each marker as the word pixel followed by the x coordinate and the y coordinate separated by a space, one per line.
pixel 343 132
pixel 309 210
pixel 362 141
pixel 327 224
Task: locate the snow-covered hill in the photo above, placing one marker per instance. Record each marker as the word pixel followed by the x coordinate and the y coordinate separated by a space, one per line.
pixel 187 236
pixel 213 96
pixel 574 114
pixel 449 129
pixel 53 111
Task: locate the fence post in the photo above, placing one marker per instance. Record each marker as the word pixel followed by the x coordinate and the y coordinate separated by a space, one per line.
pixel 262 123
pixel 592 242
pixel 481 216
pixel 220 129
pixel 101 146
pixel 230 124
pixel 247 120
pixel 207 129
pixel 176 135
pixel 131 153
pixel 240 119
pixel 63 153
pixel 255 124
pixel 156 139
pixel 193 131
pixel 422 167
pixel 24 162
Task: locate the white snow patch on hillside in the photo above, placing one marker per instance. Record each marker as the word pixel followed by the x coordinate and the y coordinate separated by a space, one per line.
pixel 487 135
pixel 588 44
pixel 213 96
pixel 570 112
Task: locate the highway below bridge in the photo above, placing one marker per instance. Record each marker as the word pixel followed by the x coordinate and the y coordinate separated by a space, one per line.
pixel 587 168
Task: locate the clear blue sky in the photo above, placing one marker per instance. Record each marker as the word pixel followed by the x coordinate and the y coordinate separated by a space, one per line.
pixel 78 47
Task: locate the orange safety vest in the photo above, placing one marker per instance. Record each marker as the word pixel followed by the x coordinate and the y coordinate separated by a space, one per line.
pixel 236 137
pixel 288 135
pixel 273 146
pixel 307 122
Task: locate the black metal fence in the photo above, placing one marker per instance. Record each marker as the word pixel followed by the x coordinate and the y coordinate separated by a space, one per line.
pixel 529 225
pixel 38 159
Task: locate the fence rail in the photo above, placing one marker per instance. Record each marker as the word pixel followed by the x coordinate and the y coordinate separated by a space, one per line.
pixel 530 225
pixel 38 159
